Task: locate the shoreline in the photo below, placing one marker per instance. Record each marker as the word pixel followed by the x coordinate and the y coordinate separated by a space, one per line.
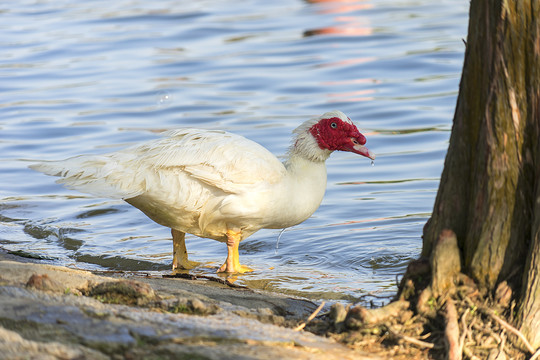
pixel 55 312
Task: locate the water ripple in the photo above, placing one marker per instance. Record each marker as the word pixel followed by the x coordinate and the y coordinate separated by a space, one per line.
pixel 91 77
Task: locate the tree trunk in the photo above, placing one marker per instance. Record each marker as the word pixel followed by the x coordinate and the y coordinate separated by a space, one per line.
pixel 489 193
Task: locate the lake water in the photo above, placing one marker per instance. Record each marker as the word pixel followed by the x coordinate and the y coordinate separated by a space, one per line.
pixel 92 77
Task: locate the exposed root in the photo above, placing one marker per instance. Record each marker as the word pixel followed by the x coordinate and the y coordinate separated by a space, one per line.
pixel 536 355
pixel 311 317
pixel 414 341
pixel 359 316
pixel 452 331
pixel 439 313
pixel 508 327
pixel 445 263
pixel 464 325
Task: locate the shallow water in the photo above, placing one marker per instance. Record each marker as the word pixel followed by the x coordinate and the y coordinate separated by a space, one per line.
pixel 92 77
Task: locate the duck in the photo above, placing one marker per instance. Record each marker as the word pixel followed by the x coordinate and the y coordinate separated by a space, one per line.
pixel 215 184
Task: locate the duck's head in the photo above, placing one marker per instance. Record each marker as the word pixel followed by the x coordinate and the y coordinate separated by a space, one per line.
pixel 331 131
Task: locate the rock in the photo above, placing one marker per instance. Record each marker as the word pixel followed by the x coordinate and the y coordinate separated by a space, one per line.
pixel 60 325
pixel 45 283
pixel 15 347
pixel 16 272
pixel 197 306
pixel 127 292
pixel 338 313
pixel 188 306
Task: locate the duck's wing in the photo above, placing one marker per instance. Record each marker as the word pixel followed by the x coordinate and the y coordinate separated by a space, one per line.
pixel 219 159
pixel 224 161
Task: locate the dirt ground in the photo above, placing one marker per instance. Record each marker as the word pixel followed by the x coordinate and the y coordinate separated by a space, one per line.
pixel 135 315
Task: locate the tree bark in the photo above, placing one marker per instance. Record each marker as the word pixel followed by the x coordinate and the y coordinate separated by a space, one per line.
pixel 489 193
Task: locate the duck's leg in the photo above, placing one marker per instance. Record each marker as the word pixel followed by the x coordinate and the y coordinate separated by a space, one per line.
pixel 180 258
pixel 232 264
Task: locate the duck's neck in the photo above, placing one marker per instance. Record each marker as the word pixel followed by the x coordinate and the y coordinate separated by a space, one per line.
pixel 306 166
pixel 302 168
pixel 306 160
pixel 304 146
pixel 302 192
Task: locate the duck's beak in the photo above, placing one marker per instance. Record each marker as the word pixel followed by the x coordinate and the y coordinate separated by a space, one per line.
pixel 357 146
pixel 364 151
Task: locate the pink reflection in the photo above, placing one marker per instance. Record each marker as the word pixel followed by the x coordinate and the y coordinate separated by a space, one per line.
pixel 351 81
pixel 353 96
pixel 340 30
pixel 347 22
pixel 349 25
pixel 342 6
pixel 359 60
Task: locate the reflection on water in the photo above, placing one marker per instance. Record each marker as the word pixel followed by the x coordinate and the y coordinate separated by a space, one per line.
pixel 94 77
pixel 346 24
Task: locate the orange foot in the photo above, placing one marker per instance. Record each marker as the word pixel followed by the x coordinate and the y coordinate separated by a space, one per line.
pixel 232 264
pixel 180 255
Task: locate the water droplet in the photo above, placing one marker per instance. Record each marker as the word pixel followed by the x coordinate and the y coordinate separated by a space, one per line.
pixel 277 242
pixel 372 162
pixel 164 98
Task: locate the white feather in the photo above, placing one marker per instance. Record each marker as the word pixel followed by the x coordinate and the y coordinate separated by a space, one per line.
pixel 206 182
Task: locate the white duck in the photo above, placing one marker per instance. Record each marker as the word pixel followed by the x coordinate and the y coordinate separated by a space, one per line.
pixel 214 184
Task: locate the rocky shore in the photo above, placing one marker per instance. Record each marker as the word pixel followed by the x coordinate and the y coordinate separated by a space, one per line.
pixel 53 312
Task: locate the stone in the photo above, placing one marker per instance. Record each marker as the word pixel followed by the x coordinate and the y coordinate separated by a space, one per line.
pixel 338 313
pixel 36 324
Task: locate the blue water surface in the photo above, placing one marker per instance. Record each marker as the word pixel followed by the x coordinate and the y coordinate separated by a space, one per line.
pixel 92 77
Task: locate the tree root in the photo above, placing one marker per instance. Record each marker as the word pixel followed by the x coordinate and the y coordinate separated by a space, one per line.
pixel 507 326
pixel 463 325
pixel 311 317
pixel 412 340
pixel 536 355
pixel 359 316
pixel 452 331
pixel 439 313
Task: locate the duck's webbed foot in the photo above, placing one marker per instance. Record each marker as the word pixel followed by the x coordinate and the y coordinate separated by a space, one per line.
pixel 232 264
pixel 180 256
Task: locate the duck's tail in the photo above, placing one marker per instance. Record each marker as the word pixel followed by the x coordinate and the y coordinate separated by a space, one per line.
pixel 99 175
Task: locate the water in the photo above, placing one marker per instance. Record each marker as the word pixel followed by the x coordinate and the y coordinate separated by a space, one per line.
pixel 93 77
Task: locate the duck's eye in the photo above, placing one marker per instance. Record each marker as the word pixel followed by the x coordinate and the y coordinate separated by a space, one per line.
pixel 333 125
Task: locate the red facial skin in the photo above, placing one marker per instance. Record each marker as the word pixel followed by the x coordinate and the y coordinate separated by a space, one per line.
pixel 335 134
